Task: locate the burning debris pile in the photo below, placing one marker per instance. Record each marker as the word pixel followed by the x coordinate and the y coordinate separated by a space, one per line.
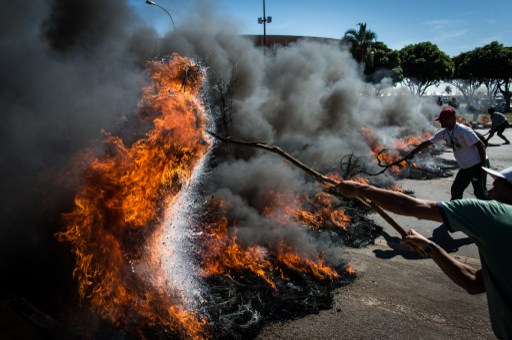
pixel 252 284
pixel 392 159
pixel 153 256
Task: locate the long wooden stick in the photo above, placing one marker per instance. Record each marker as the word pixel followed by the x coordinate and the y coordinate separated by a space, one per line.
pixel 318 176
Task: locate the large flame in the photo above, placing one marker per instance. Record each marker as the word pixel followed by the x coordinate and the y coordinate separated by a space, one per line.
pixel 122 199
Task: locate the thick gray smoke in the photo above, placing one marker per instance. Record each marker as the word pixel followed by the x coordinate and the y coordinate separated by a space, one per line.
pixel 68 69
pixel 308 98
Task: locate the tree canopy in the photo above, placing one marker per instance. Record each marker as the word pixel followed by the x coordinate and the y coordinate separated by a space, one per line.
pixel 386 64
pixel 361 42
pixel 423 65
pixel 490 65
pixel 377 60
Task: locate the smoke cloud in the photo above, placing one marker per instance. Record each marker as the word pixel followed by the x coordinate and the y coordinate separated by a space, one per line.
pixel 68 70
pixel 308 98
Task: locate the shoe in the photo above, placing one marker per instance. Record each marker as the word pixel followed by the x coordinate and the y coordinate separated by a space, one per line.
pixel 506 143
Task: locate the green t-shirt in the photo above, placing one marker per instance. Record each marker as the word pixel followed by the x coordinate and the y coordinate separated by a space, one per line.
pixel 489 225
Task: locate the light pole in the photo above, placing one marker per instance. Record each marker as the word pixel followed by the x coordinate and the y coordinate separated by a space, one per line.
pixel 149 2
pixel 263 20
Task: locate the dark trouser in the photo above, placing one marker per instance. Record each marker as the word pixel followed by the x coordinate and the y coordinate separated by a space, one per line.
pixel 471 175
pixel 500 130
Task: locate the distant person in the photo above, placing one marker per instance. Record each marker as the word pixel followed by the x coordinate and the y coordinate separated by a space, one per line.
pixel 468 149
pixel 487 223
pixel 476 108
pixel 499 124
pixel 439 101
pixel 454 103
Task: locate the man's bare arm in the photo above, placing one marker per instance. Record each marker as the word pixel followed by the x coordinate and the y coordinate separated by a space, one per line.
pixel 462 274
pixel 481 151
pixel 393 201
pixel 419 148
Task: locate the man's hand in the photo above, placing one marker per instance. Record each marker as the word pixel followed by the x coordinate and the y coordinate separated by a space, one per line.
pixel 416 242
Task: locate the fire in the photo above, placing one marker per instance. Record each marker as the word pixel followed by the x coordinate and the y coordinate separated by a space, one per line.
pixel 224 256
pixel 316 267
pixel 122 198
pixel 485 120
pixel 117 224
pixel 400 148
pixel 350 270
pixel 322 208
pixel 319 210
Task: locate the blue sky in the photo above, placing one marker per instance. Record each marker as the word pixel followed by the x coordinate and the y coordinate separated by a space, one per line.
pixel 454 26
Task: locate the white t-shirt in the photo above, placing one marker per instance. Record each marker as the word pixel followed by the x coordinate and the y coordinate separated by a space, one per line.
pixel 462 140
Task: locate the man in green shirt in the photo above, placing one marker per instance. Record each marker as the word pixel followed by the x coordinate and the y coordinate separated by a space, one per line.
pixel 487 223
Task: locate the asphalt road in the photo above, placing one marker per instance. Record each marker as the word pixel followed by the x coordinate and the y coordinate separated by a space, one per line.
pixel 398 294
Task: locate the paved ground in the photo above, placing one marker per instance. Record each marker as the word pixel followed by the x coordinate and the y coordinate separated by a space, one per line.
pixel 399 295
pixel 396 293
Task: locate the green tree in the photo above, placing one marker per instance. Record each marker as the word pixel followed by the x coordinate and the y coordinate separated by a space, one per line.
pixel 464 77
pixel 386 64
pixel 424 65
pixel 506 78
pixel 360 43
pixel 486 69
pixel 493 66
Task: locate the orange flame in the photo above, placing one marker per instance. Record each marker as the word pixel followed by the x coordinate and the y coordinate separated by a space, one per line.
pixel 322 208
pixel 224 256
pixel 350 270
pixel 121 202
pixel 315 267
pixel 400 148
pixel 485 120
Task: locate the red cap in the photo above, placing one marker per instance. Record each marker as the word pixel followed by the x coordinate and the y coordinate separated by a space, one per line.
pixel 446 113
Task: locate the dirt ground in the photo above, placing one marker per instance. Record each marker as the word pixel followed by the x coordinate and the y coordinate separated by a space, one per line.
pixel 396 293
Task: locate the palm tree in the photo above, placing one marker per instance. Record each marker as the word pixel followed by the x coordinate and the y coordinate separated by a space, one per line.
pixel 361 43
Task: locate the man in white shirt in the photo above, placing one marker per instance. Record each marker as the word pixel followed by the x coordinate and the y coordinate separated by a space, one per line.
pixel 468 149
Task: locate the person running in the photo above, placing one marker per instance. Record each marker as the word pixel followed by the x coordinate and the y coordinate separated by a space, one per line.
pixel 468 149
pixel 487 223
pixel 499 124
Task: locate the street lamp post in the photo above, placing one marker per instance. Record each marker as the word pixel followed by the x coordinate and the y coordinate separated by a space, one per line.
pixel 149 2
pixel 263 20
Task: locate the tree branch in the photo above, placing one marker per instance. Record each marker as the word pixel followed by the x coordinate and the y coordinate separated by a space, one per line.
pixel 318 176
